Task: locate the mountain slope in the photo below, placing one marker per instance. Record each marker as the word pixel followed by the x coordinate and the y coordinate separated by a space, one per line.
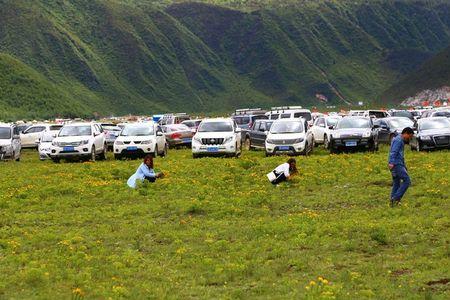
pixel 128 56
pixel 433 74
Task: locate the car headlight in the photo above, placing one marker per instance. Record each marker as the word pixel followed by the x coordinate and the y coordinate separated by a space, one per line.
pixel 299 140
pixel 425 137
pixel 228 140
pixel 56 144
pixel 118 142
pixel 197 139
pixel 336 135
pixel 366 134
pixel 85 142
pixel 146 142
pixel 269 141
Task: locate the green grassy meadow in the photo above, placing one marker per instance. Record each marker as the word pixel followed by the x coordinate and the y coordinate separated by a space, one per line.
pixel 215 228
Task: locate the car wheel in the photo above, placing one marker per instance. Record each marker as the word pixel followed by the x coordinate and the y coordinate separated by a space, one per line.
pixel 247 144
pixel 418 147
pixel 103 155
pixel 93 155
pixel 56 160
pixel 268 154
pixel 117 156
pixel 195 156
pixel 164 153
pixel 326 143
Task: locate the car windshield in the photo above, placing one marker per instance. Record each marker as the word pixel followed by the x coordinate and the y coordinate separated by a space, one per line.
pixel 179 127
pixel 401 113
pixel 377 114
pixel 353 123
pixel 305 115
pixel 215 127
pixel 442 114
pixel 435 124
pixel 401 123
pixel 285 116
pixel 332 121
pixel 137 130
pixel 268 125
pixel 286 127
pixel 75 131
pixel 55 127
pixel 242 120
pixel 112 128
pixel 5 133
pixel 47 138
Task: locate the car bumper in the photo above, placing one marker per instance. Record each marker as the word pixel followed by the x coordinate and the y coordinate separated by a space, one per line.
pixel 435 144
pixel 361 143
pixel 78 151
pixel 179 142
pixel 213 149
pixel 134 150
pixel 285 149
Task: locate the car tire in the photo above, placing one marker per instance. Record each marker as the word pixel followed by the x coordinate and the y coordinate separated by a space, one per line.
pixel 93 155
pixel 117 156
pixel 326 142
pixel 195 156
pixel 56 160
pixel 103 154
pixel 247 144
pixel 164 153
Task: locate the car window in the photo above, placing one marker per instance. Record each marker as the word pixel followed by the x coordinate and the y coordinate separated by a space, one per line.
pixel 55 127
pixel 35 129
pixel 274 116
pixel 285 116
pixel 5 133
pixel 262 127
pixel 321 122
pixel 256 125
pixel 332 121
pixel 306 115
pixel 242 120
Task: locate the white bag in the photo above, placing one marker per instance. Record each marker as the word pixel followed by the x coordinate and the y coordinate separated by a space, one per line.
pixel 271 176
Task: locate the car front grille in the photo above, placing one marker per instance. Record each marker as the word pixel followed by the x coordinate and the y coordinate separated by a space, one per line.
pixel 69 144
pixel 351 136
pixel 212 141
pixel 284 142
pixel 442 140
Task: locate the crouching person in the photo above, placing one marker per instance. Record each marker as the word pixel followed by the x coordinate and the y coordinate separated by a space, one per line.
pixel 144 172
pixel 283 172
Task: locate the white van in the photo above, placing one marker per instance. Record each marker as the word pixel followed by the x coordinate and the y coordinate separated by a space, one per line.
pixel 290 112
pixel 10 145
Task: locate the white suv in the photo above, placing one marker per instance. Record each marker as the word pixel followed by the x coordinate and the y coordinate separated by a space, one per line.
pixel 139 139
pixel 217 137
pixel 9 142
pixel 30 137
pixel 79 140
pixel 289 136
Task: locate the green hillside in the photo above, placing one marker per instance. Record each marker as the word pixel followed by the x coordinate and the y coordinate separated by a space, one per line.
pixel 137 56
pixel 433 74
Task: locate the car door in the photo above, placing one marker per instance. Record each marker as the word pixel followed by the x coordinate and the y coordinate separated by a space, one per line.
pixel 261 134
pixel 160 138
pixel 254 133
pixel 15 140
pixel 383 131
pixel 97 137
pixel 318 129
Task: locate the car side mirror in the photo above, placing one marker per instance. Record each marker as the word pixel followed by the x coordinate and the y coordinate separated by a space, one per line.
pixel 376 126
pixel 159 133
pixel 331 127
pixel 16 137
pixel 383 127
pixel 96 134
pixel 37 141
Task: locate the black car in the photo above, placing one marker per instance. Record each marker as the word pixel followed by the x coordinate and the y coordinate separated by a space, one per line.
pixel 390 127
pixel 245 118
pixel 354 133
pixel 256 137
pixel 432 133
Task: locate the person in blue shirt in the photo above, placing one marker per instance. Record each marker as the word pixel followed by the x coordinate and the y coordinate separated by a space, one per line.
pixel 144 172
pixel 400 177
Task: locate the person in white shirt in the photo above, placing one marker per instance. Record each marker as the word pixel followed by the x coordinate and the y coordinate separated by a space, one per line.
pixel 283 172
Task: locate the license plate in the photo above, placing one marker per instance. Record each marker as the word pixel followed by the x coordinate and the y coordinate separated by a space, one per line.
pixel 68 148
pixel 351 144
pixel 187 140
pixel 284 148
pixel 212 149
pixel 132 148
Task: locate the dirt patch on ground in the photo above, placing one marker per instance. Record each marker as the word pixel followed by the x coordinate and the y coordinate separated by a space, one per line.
pixel 401 272
pixel 440 281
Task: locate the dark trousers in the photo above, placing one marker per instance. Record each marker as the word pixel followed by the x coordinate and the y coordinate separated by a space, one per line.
pixel 151 179
pixel 280 178
pixel 401 182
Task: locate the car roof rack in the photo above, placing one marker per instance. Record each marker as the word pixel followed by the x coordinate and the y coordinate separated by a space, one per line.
pixel 247 111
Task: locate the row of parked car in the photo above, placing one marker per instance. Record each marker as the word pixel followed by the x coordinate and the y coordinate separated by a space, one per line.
pixel 282 130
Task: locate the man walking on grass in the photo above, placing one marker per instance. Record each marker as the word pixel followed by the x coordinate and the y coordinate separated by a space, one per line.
pixel 399 172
